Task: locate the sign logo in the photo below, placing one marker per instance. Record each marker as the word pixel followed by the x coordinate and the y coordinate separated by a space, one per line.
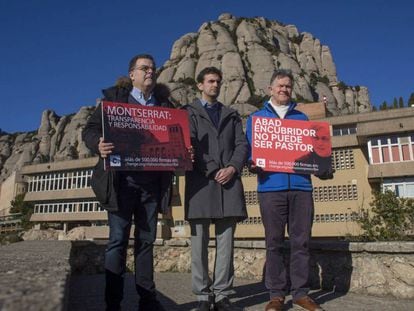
pixel 260 162
pixel 115 160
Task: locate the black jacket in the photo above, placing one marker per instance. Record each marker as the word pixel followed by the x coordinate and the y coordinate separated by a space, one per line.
pixel 105 184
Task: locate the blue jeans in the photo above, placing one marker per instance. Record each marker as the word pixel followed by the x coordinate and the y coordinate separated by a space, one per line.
pixel 140 202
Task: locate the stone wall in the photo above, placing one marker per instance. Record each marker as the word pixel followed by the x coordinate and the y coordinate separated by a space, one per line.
pixel 383 268
pixel 33 271
pixel 367 268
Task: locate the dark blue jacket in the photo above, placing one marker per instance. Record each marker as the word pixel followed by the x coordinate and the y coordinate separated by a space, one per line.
pixel 273 181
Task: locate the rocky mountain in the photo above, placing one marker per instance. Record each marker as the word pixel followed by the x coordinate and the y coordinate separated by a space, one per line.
pixel 247 50
pixel 57 139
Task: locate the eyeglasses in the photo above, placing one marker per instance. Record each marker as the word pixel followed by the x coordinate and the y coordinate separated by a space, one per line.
pixel 146 69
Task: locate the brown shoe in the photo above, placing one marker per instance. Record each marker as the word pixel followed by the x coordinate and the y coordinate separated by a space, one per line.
pixel 306 303
pixel 275 304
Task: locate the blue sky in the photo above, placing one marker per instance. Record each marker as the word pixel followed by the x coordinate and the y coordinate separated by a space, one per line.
pixel 58 55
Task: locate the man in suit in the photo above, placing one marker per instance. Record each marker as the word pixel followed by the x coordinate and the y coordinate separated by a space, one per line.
pixel 139 195
pixel 213 190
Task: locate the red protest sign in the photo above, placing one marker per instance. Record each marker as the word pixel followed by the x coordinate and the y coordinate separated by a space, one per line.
pixel 146 138
pixel 291 146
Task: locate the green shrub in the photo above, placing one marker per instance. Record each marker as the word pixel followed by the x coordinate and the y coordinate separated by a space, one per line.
pixel 19 206
pixel 323 79
pixel 342 86
pixel 390 218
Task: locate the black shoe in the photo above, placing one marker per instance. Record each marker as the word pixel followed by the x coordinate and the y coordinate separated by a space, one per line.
pixel 114 290
pixel 150 305
pixel 203 306
pixel 225 305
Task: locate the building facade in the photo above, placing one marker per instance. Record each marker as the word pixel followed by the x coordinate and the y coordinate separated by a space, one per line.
pixel 370 151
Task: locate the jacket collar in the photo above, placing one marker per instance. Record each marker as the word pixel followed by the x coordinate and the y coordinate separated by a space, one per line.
pixel 268 107
pixel 121 93
pixel 117 93
pixel 225 111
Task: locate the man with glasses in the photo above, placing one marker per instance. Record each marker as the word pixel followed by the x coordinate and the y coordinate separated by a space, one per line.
pixel 139 195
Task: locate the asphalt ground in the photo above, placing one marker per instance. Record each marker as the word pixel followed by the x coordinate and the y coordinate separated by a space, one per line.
pixel 174 292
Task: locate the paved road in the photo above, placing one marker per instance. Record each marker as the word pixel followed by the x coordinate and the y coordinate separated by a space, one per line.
pixel 86 293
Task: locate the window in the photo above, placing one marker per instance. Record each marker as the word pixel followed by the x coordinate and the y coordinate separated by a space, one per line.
pixel 324 218
pixel 343 130
pixel 251 197
pixel 335 193
pixel 343 159
pixel 68 207
pixel 403 187
pixel 60 181
pixel 409 190
pixel 385 149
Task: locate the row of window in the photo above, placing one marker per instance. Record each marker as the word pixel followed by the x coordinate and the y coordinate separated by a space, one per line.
pixel 68 207
pixel 391 149
pixel 320 218
pixel 335 193
pixel 393 140
pixel 341 159
pixel 94 207
pixel 320 194
pixel 251 221
pixel 60 181
pixel 344 130
pixel 10 227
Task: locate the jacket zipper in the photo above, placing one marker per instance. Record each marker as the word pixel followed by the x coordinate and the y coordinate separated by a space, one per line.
pixel 287 113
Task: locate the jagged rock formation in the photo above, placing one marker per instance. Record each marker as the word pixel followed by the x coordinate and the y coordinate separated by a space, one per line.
pixel 61 138
pixel 15 151
pixel 58 138
pixel 247 50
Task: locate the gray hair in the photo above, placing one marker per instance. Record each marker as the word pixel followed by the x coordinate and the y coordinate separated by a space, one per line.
pixel 281 73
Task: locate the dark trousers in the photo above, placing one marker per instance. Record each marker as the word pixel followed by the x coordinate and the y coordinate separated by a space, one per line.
pixel 140 202
pixel 294 209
